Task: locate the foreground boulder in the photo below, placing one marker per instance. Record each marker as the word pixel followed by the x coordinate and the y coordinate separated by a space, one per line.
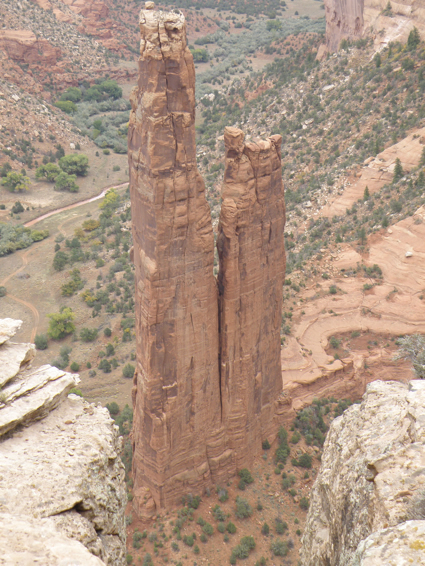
pixel 368 502
pixel 61 478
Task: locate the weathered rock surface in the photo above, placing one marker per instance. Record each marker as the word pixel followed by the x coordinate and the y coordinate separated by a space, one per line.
pixel 195 418
pixel 344 20
pixel 25 47
pixel 178 435
pixel 352 19
pixel 372 469
pixel 397 546
pixel 252 268
pixel 62 488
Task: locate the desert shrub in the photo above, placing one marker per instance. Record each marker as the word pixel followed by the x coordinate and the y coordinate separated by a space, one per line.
pixel 246 478
pixel 147 560
pixel 304 503
pixel 218 513
pixel 230 528
pixel 304 461
pixel 74 366
pixel 223 494
pixel 333 290
pixel 61 323
pixel 281 526
pixel 75 164
pixel 279 547
pixel 66 106
pixel 41 342
pixel 137 539
pixel 192 501
pixel 221 527
pixel 17 208
pixel 105 366
pixel 283 449
pixel 296 437
pixel 60 260
pixel 266 444
pixel 265 529
pixel 113 408
pixel 310 423
pixel 16 182
pixel 208 529
pixel 243 549
pixel 88 334
pixel 288 481
pixel 334 342
pixel 110 350
pixel 128 372
pixel 189 540
pixel 243 508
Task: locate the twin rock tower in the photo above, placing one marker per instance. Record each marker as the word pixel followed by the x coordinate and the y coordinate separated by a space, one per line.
pixel 208 378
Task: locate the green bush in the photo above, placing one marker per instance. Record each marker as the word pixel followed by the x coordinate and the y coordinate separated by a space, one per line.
pixel 265 529
pixel 231 528
pixel 304 503
pixel 189 540
pixel 61 323
pixel 281 526
pixel 41 342
pixel 65 182
pixel 66 106
pixel 283 449
pixel 128 371
pixel 304 461
pixel 48 172
pixel 243 508
pixel 88 334
pixel 296 437
pixel 74 366
pixel 243 549
pixel 16 182
pixel 279 547
pixel 266 444
pixel 333 290
pixel 105 366
pixel 107 332
pixel 221 527
pixel 246 478
pixel 75 164
pixel 208 529
pixel 113 408
pixel 218 513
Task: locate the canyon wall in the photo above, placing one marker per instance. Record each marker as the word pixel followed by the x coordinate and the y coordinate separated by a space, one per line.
pixel 344 20
pixel 252 269
pixel 208 368
pixel 367 502
pixel 62 487
pixel 353 19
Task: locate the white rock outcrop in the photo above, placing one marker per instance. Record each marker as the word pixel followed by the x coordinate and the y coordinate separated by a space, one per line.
pixel 371 481
pixel 62 491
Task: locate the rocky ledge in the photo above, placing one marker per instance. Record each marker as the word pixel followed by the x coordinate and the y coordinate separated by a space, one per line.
pixel 62 494
pixel 368 502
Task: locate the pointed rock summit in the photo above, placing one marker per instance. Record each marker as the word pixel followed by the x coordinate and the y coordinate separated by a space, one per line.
pixel 208 366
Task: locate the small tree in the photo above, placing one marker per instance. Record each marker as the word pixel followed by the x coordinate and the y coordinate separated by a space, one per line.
pixel 40 341
pixel 16 182
pixel 128 371
pixel 398 171
pixel 414 39
pixel 60 260
pixel 413 348
pixel 377 60
pixel 366 194
pixel 61 323
pixel 76 164
pixel 48 172
pixel 65 182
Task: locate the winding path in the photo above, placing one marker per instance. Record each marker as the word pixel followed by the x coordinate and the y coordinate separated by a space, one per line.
pixel 24 256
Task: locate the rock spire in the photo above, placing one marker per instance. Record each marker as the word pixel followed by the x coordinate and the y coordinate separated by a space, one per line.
pixel 185 429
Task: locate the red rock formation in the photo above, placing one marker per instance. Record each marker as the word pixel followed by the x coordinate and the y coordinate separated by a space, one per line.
pixel 252 268
pixel 24 47
pixel 193 426
pixel 178 438
pixel 344 20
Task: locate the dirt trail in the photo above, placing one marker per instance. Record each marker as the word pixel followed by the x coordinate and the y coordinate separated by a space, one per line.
pixel 75 205
pixel 24 256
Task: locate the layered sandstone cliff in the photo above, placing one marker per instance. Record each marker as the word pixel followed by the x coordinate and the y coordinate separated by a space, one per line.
pixel 252 268
pixel 344 20
pixel 178 435
pixel 24 46
pixel 62 488
pixel 367 504
pixel 208 368
pixel 353 19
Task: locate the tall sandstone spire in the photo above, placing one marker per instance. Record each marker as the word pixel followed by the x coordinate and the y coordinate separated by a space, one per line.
pixel 252 269
pixel 178 435
pixel 208 367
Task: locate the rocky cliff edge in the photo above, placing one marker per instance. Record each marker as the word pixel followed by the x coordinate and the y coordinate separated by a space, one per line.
pixel 62 494
pixel 368 502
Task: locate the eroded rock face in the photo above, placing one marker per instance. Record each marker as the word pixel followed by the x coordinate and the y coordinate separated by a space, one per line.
pixel 252 267
pixel 207 382
pixel 23 46
pixel 372 469
pixel 344 20
pixel 179 441
pixel 61 478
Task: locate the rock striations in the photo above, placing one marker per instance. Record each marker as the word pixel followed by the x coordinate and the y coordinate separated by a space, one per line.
pixel 344 20
pixel 187 435
pixel 62 486
pixel 367 505
pixel 251 276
